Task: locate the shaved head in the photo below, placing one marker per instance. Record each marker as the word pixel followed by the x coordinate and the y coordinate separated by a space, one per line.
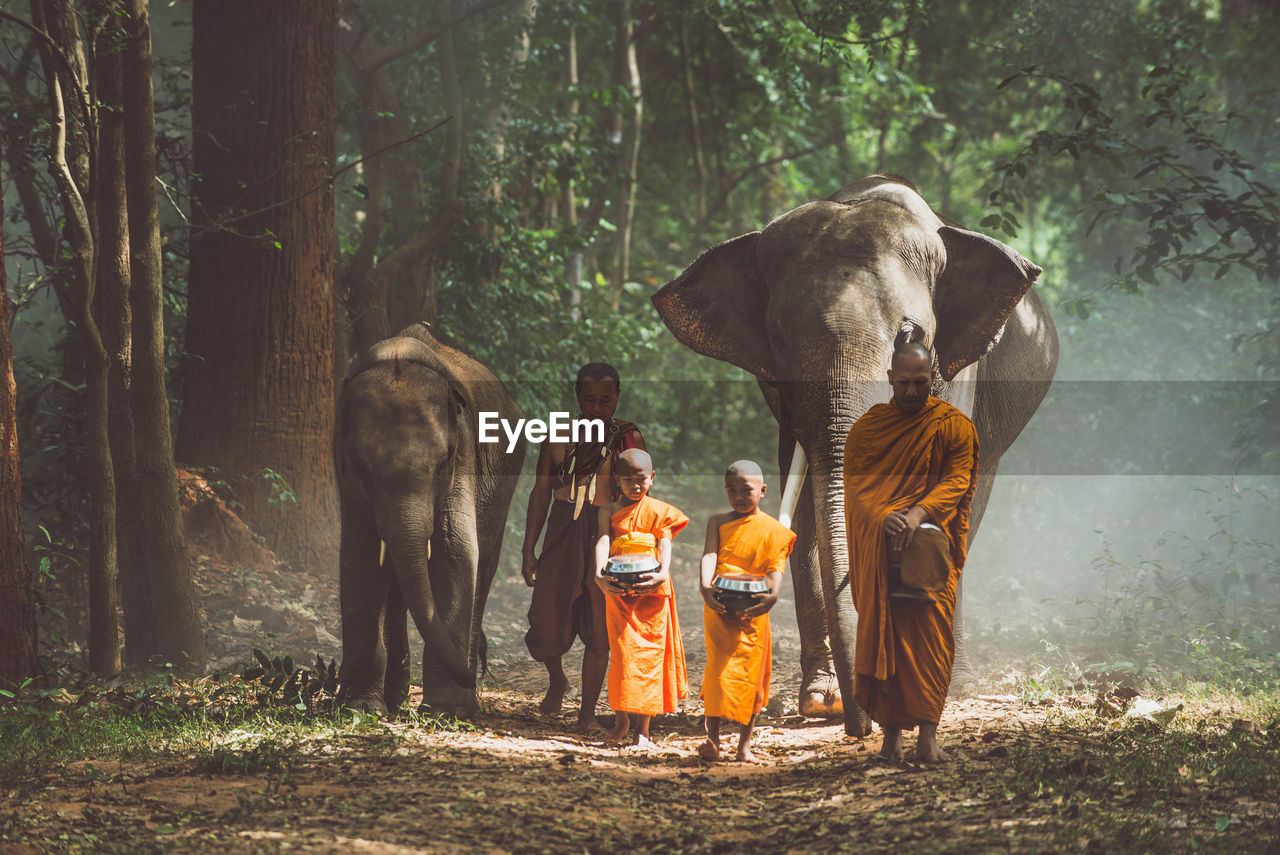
pixel 744 485
pixel 635 460
pixel 912 350
pixel 911 375
pixel 744 468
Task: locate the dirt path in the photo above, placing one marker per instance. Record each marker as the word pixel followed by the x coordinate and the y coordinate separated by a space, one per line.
pixel 516 783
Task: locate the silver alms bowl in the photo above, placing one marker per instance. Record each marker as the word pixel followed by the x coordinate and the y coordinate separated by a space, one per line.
pixel 742 584
pixel 737 592
pixel 629 569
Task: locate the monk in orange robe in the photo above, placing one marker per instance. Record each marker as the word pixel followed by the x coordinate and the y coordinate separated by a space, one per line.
pixel 913 460
pixel 742 542
pixel 647 674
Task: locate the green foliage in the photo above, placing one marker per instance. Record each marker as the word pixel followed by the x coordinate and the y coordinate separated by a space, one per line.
pixel 1085 763
pixel 255 722
pixel 281 492
pixel 1216 599
pixel 50 427
pixel 1220 214
pixel 1187 606
pixel 278 683
pixel 247 755
pixel 1151 775
pixel 224 489
pixel 1133 754
pixel 41 728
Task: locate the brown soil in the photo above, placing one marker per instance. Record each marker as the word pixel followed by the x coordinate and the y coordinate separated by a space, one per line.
pixel 517 783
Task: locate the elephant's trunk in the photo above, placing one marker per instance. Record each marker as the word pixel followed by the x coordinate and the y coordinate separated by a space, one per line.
pixel 827 479
pixel 408 535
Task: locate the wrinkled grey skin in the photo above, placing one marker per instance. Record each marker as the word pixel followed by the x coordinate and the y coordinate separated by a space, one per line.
pixel 411 472
pixel 812 306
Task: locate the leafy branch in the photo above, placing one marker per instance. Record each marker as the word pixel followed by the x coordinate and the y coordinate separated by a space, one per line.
pixel 1201 200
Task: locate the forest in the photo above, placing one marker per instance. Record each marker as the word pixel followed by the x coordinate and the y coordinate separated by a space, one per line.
pixel 211 210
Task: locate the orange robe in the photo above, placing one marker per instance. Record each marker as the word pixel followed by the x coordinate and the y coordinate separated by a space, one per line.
pixel 647 672
pixel 893 461
pixel 739 661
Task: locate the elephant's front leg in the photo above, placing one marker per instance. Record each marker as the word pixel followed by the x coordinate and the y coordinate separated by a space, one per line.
pixel 819 688
pixel 364 584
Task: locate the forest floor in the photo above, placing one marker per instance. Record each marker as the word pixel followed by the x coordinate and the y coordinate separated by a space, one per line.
pixel 1025 777
pixel 1096 763
pixel 1102 770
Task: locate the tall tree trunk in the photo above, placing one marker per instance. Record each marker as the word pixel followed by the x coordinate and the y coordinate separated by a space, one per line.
pixel 18 659
pixel 111 292
pixel 568 200
pixel 695 133
pixel 448 208
pixel 258 393
pixel 626 70
pixel 161 617
pixel 71 162
pixel 496 123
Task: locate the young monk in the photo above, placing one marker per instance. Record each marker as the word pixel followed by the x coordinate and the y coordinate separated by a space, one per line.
pixel 744 540
pixel 648 674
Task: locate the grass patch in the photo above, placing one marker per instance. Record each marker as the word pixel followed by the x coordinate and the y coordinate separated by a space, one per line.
pixel 226 724
pixel 1122 782
pixel 241 757
pixel 1140 758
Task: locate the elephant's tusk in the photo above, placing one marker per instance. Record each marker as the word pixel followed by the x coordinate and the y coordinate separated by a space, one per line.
pixel 382 552
pixel 795 480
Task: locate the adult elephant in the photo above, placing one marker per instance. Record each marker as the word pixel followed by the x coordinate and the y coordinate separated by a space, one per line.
pixel 813 306
pixel 423 508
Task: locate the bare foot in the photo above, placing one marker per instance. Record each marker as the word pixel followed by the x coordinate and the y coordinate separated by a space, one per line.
pixel 550 705
pixel 588 724
pixel 892 747
pixel 927 748
pixel 934 755
pixel 622 724
pixel 709 751
pixel 745 755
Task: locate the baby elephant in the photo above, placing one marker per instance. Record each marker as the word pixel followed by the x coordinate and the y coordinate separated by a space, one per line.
pixel 423 507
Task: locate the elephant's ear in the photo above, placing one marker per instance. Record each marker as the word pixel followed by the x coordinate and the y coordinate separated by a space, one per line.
pixel 717 307
pixel 976 292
